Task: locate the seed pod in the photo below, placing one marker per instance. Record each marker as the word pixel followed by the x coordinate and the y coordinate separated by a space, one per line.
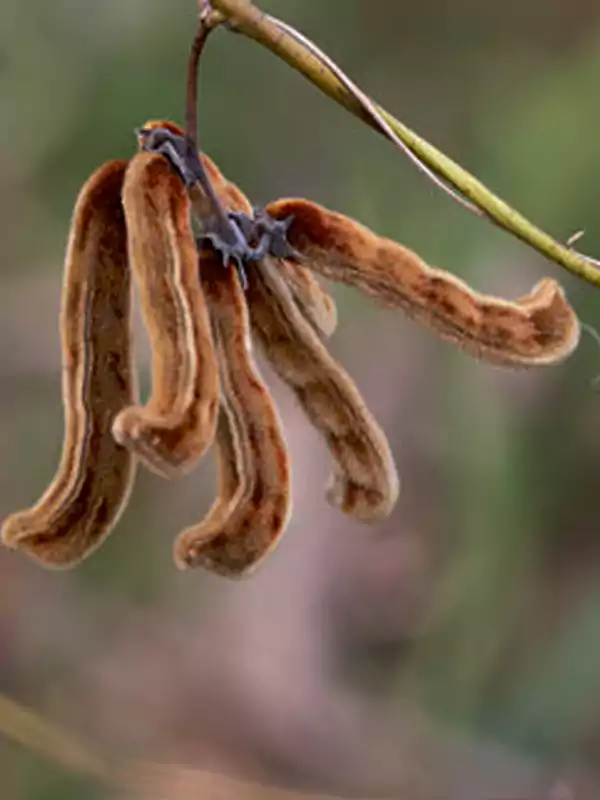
pixel 538 329
pixel 364 483
pixel 177 424
pixel 252 512
pixel 94 478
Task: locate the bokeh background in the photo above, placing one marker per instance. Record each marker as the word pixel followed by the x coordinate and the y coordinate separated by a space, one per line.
pixel 451 653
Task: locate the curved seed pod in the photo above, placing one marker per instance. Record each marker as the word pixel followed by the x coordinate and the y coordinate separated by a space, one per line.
pixel 248 519
pixel 365 483
pixel 93 481
pixel 176 426
pixel 536 330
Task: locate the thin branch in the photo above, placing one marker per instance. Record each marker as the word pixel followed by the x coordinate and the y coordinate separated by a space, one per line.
pixel 369 106
pixel 148 780
pixel 247 19
pixel 191 100
pixel 208 19
pixel 50 741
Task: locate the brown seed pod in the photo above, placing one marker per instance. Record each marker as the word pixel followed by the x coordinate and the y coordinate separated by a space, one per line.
pixel 94 478
pixel 177 424
pixel 365 483
pixel 255 503
pixel 538 329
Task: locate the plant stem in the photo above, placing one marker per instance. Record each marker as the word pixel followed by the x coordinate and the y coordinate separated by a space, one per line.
pixel 191 110
pixel 50 741
pixel 246 18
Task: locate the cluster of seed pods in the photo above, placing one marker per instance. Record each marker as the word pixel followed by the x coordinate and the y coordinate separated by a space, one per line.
pixel 133 223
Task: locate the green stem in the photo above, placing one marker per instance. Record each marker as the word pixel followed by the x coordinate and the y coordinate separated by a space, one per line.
pixel 247 19
pixel 143 779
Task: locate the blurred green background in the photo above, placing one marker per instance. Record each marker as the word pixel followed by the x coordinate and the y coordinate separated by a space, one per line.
pixel 452 652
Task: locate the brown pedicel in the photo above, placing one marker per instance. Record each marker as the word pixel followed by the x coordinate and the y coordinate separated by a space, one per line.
pixel 177 424
pixel 538 329
pixel 255 503
pixel 93 481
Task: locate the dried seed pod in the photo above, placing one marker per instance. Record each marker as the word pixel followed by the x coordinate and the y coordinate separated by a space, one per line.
pixel 93 481
pixel 248 519
pixel 538 329
pixel 176 426
pixel 365 483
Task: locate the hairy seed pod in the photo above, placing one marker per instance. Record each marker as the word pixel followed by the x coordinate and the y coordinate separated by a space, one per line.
pixel 93 481
pixel 248 519
pixel 365 482
pixel 538 329
pixel 177 424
